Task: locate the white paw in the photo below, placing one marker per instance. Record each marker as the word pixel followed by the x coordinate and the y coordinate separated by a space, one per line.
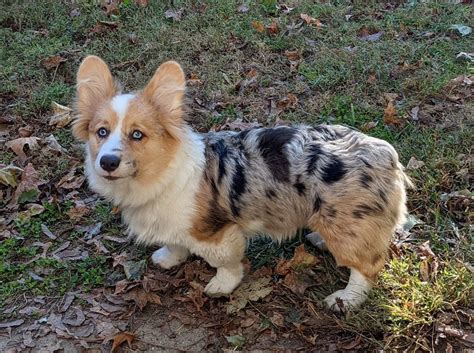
pixel 317 240
pixel 166 258
pixel 224 282
pixel 343 301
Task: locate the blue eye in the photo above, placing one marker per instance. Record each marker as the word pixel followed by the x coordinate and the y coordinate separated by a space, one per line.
pixel 137 135
pixel 102 132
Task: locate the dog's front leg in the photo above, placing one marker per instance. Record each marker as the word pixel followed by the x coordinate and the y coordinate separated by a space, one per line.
pixel 226 255
pixel 169 256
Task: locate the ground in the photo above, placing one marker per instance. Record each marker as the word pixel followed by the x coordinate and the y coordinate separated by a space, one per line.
pixel 402 71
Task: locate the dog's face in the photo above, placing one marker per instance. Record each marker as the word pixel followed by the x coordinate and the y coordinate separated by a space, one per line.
pixel 129 135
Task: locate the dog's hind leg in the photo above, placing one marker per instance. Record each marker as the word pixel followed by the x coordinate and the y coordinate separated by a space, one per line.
pixel 169 256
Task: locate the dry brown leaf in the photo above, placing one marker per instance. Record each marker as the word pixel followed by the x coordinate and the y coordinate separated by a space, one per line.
pixel 273 28
pixel 292 55
pixel 110 7
pixel 251 73
pixel 311 21
pixel 297 282
pixel 120 338
pixel 250 291
pixel 238 124
pixel 71 180
pixel 289 102
pixel 18 145
pixel 258 26
pixel 78 211
pixel 414 164
pixel 277 319
pixel 301 259
pixel 141 297
pixel 141 3
pixel 27 189
pixel 390 115
pixel 26 131
pixel 369 126
pixel 62 115
pixel 52 62
pixel 104 26
pixel 194 80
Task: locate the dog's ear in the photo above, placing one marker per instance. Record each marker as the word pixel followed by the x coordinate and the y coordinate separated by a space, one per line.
pixel 95 84
pixel 165 92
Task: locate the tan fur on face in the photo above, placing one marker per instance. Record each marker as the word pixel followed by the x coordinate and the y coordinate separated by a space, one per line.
pixel 155 151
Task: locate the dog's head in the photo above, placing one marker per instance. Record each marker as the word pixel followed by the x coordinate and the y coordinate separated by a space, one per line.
pixel 129 136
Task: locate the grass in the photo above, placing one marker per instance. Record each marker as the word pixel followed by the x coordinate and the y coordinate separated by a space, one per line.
pixel 339 79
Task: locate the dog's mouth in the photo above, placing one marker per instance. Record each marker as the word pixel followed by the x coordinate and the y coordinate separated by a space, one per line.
pixel 110 177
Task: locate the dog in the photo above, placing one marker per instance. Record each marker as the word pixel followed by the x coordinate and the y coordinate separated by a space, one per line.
pixel 205 194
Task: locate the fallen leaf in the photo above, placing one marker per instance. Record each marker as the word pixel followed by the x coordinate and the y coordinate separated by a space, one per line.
pixel 289 102
pixel 62 115
pixel 141 297
pixel 110 7
pixel 47 232
pixel 251 291
pixel 176 15
pixel 27 190
pixel 11 323
pixel 19 144
pixel 120 338
pixel 369 34
pixel 53 144
pixel 311 21
pixel 414 113
pixel 194 80
pixel 258 26
pixel 301 259
pixel 243 8
pixel 74 317
pixel 277 319
pixel 390 115
pixel 141 3
pixel 285 8
pixel 273 28
pixel 236 341
pixel 78 211
pixel 9 175
pixel 104 26
pixel 239 125
pixel 52 62
pixel 462 29
pixel 414 164
pixel 292 55
pixel 297 282
pixel 134 270
pixel 370 125
pixel 26 131
pixel 71 180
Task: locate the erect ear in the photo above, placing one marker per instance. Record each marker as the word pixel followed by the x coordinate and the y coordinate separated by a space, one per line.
pixel 95 84
pixel 165 92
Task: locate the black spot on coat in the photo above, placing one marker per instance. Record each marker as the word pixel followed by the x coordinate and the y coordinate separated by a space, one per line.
pixel 239 183
pixel 366 179
pixel 317 204
pixel 314 153
pixel 270 193
pixel 271 145
pixel 333 171
pixel 220 149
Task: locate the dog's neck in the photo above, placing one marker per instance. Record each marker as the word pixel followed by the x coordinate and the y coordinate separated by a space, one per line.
pixel 185 168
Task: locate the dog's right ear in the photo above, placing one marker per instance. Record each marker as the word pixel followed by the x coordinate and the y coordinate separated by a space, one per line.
pixel 95 84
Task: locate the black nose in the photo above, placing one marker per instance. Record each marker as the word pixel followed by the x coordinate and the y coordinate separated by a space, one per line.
pixel 109 162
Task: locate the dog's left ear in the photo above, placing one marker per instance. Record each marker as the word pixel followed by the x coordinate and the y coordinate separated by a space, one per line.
pixel 165 92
